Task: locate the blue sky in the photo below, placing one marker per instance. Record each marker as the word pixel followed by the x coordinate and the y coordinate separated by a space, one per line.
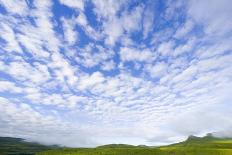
pixel 92 72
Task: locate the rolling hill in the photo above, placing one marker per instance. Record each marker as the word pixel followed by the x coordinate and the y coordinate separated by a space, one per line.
pixel 207 145
pixel 193 145
pixel 18 146
pixel 207 141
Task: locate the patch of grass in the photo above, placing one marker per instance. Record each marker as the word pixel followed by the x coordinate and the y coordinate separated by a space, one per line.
pixel 139 151
pixel 207 145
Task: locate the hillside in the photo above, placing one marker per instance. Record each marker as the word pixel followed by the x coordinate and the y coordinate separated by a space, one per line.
pixel 17 146
pixel 207 145
pixel 207 141
pixel 117 146
pixel 193 145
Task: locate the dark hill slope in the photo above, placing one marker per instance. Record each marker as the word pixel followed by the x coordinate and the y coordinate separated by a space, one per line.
pixel 117 146
pixel 122 146
pixel 17 146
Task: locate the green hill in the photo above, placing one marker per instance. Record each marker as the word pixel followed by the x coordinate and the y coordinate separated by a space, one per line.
pixel 17 146
pixel 207 145
pixel 208 141
pixel 117 146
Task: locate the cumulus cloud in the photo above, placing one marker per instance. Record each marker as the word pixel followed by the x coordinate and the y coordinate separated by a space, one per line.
pixel 216 16
pixel 157 70
pixel 133 54
pixel 73 4
pixel 70 34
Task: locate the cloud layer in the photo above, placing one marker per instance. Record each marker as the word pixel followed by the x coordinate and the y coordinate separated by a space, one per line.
pixel 86 73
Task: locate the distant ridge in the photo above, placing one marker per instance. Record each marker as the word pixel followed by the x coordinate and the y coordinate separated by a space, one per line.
pixel 208 141
pixel 18 146
pixel 116 146
pixel 122 146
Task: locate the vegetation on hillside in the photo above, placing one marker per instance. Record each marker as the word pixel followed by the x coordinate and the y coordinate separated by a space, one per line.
pixel 205 142
pixel 17 146
pixel 139 151
pixel 207 145
pixel 117 146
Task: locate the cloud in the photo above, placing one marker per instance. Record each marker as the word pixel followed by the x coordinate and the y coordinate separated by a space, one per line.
pixel 73 4
pixel 182 31
pixel 186 48
pixel 133 54
pixel 62 69
pixel 114 26
pixel 91 55
pixel 157 70
pixel 90 81
pixel 107 9
pixel 109 65
pixel 70 35
pixel 15 7
pixel 148 20
pixel 23 71
pixel 83 22
pixel 8 35
pixel 7 86
pixel 216 19
pixel 166 48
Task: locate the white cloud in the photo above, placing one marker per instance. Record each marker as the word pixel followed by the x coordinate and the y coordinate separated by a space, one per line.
pixel 173 9
pixel 157 70
pixel 81 19
pixel 24 72
pixel 92 55
pixel 114 26
pixel 7 86
pixel 15 116
pixel 131 21
pixel 87 82
pixel 166 48
pixel 8 35
pixel 184 29
pixel 186 48
pixel 107 8
pixel 218 48
pixel 108 65
pixel 113 29
pixel 216 18
pixel 83 22
pixel 15 6
pixel 186 74
pixel 76 4
pixel 63 69
pixel 148 20
pixel 70 35
pixel 133 54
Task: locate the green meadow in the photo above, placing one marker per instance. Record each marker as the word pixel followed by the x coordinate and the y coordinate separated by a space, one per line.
pixel 140 151
pixel 207 145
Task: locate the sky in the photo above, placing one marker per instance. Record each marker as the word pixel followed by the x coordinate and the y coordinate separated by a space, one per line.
pixel 83 73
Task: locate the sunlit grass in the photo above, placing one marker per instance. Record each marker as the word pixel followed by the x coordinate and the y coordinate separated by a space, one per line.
pixel 135 151
pixel 192 146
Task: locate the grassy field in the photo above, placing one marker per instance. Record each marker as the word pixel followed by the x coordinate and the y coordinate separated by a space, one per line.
pixel 207 145
pixel 140 151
